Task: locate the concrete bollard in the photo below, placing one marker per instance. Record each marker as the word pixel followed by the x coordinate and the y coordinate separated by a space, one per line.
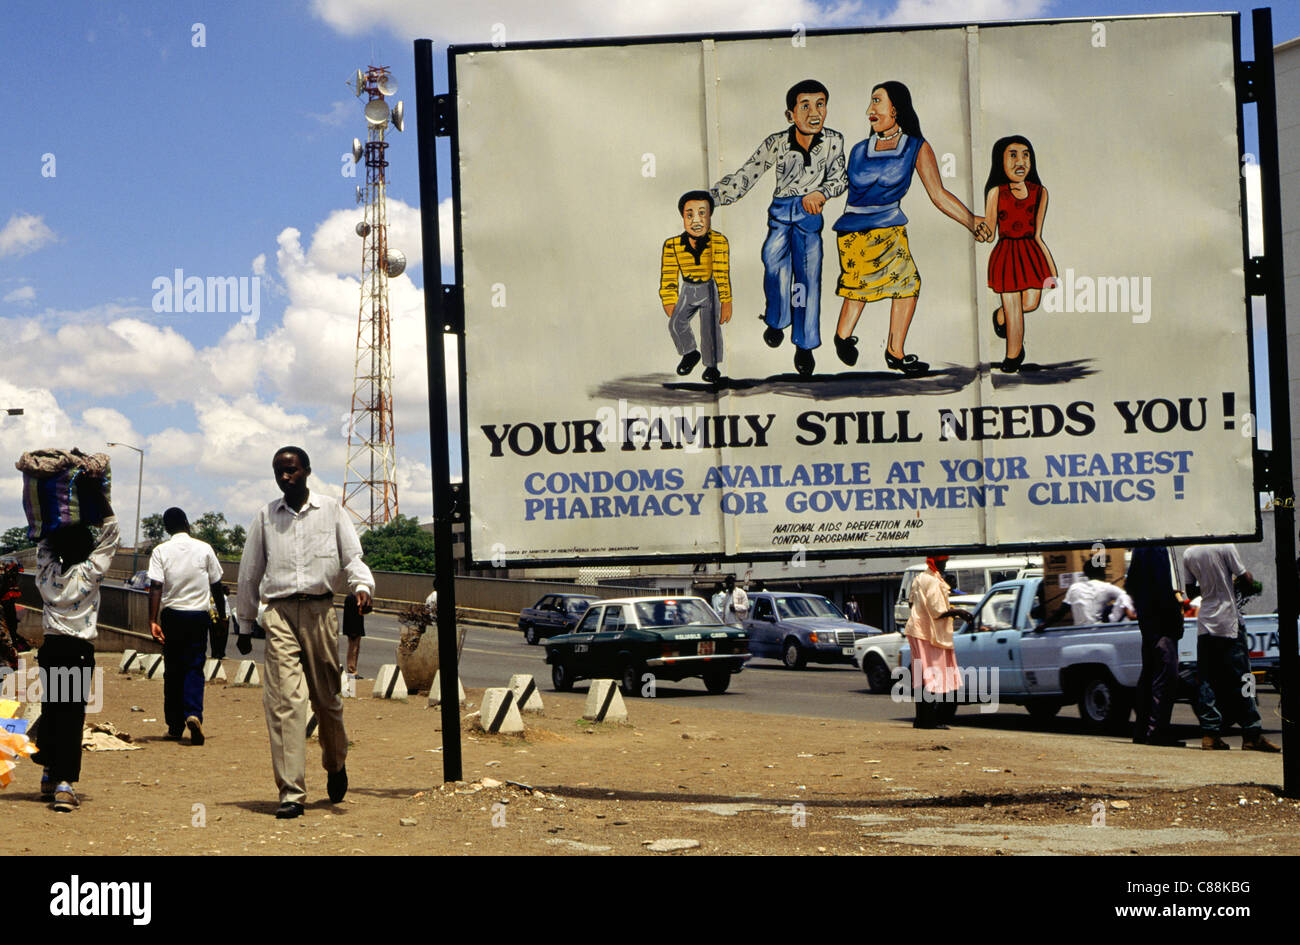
pixel 435 691
pixel 389 684
pixel 214 671
pixel 129 660
pixel 247 674
pixel 153 666
pixel 499 712
pixel 526 695
pixel 604 702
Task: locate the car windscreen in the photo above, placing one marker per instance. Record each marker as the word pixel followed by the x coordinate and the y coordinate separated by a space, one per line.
pixel 653 614
pixel 577 606
pixel 789 607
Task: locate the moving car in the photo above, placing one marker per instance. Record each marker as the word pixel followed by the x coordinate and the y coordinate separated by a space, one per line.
pixel 798 629
pixel 641 641
pixel 554 613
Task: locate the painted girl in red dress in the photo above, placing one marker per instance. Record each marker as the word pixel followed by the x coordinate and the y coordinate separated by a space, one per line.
pixel 1020 263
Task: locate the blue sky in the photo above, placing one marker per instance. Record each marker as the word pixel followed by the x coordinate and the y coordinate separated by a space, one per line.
pixel 224 158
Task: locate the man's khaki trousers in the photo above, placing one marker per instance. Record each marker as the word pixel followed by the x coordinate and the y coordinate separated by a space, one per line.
pixel 302 663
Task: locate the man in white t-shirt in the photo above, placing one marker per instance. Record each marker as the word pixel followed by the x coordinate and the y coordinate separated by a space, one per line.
pixel 1088 601
pixel 1222 656
pixel 735 602
pixel 184 574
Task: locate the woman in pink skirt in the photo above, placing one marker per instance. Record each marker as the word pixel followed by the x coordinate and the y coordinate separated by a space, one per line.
pixel 935 678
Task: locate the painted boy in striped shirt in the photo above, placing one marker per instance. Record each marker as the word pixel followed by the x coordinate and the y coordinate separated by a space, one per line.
pixel 695 277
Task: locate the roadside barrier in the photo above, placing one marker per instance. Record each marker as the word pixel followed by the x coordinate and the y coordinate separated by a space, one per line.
pixel 604 702
pixel 247 674
pixel 435 691
pixel 526 695
pixel 389 684
pixel 130 662
pixel 214 671
pixel 153 666
pixel 499 713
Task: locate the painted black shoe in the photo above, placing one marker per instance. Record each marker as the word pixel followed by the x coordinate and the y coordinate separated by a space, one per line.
pixel 999 328
pixel 772 337
pixel 288 810
pixel 1012 365
pixel 337 784
pixel 804 361
pixel 688 362
pixel 908 364
pixel 711 375
pixel 847 349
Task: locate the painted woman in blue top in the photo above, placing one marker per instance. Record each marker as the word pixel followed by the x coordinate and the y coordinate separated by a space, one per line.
pixel 875 262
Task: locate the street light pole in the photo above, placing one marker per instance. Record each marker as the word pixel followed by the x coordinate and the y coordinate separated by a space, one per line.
pixel 135 548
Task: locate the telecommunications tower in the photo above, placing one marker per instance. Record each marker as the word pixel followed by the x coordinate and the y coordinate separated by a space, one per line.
pixel 370 481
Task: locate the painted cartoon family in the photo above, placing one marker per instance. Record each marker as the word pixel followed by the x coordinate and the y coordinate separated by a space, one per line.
pixel 871 234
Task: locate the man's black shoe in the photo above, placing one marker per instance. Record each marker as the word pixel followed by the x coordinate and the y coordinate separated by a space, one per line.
pixel 772 337
pixel 803 361
pixel 688 362
pixel 337 784
pixel 711 375
pixel 288 810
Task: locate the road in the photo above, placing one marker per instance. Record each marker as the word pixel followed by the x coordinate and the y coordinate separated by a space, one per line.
pixel 491 656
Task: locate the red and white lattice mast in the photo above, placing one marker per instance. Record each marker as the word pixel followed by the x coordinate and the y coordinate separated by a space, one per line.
pixel 370 480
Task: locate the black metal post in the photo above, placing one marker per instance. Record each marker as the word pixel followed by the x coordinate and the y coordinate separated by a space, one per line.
pixel 435 327
pixel 1288 591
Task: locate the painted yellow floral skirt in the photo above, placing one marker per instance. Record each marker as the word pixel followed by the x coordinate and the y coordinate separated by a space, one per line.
pixel 876 264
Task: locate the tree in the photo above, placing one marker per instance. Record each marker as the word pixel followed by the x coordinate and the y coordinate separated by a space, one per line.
pixel 15 539
pixel 399 545
pixel 211 527
pixel 151 527
pixel 235 539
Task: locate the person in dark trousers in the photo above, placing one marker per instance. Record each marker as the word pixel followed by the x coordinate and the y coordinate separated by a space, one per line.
pixel 184 574
pixel 1159 606
pixel 354 628
pixel 70 565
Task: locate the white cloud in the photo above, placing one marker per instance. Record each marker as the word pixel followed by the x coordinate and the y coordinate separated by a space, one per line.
pixel 24 293
pixel 338 114
pixel 24 233
pixel 516 20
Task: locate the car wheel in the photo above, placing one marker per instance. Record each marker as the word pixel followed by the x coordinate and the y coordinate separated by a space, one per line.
pixel 1043 709
pixel 793 655
pixel 717 681
pixel 530 634
pixel 1102 703
pixel 878 674
pixel 633 678
pixel 561 676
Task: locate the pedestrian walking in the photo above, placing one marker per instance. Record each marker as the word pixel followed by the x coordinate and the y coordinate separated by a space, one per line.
pixel 735 602
pixel 354 628
pixel 1222 655
pixel 298 548
pixel 184 575
pixel 1152 586
pixel 70 565
pixel 935 677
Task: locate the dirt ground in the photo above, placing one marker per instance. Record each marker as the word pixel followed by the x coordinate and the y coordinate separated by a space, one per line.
pixel 733 783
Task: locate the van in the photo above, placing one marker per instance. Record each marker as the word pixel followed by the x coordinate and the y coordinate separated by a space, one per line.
pixel 969 577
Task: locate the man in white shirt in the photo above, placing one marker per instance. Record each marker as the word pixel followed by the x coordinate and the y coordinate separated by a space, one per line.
pixel 1088 601
pixel 299 548
pixel 184 574
pixel 1222 656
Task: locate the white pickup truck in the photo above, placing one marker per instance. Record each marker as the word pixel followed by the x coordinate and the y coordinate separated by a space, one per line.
pixel 1095 666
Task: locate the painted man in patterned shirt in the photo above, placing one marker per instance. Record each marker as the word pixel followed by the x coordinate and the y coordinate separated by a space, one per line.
pixel 810 169
pixel 695 277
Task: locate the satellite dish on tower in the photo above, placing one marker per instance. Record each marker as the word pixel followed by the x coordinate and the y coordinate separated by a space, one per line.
pixel 377 113
pixel 360 83
pixel 363 229
pixel 399 117
pixel 387 86
pixel 359 197
pixel 395 263
pixel 357 150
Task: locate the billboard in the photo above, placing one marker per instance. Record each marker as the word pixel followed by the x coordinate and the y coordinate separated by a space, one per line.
pixel 854 293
